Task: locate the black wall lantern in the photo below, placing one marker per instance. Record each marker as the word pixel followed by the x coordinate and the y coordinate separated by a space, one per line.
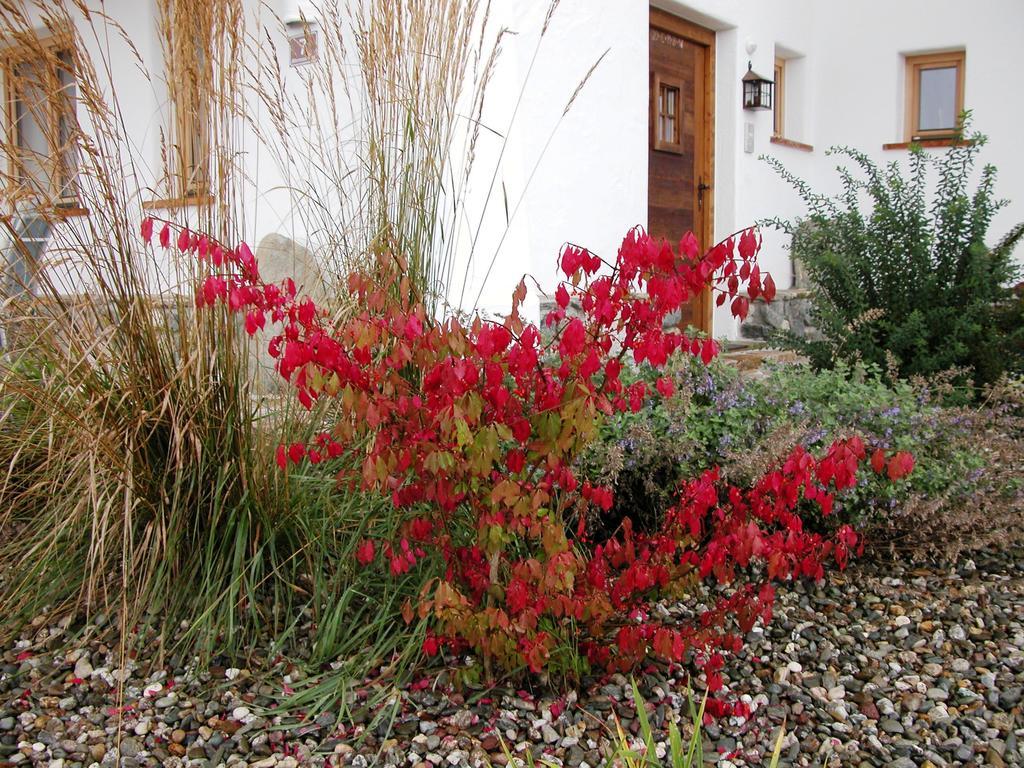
pixel 758 91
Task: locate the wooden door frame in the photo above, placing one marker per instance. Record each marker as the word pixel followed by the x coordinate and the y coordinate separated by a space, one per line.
pixel 667 22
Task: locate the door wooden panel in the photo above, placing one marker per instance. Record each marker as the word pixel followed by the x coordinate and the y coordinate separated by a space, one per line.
pixel 680 140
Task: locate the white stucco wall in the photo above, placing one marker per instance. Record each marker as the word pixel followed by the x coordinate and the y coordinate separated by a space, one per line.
pixel 845 86
pixel 582 176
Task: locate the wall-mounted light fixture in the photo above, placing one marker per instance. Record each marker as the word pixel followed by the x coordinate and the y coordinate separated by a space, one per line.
pixel 758 91
pixel 303 40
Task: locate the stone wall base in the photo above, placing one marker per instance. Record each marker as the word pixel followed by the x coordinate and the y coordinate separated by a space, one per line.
pixel 789 311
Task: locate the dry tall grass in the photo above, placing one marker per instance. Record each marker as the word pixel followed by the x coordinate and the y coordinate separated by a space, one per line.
pixel 136 461
pixel 133 459
pixel 378 141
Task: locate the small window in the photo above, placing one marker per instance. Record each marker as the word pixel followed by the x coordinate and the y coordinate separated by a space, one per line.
pixel 935 95
pixel 40 95
pixel 778 126
pixel 667 117
pixel 302 42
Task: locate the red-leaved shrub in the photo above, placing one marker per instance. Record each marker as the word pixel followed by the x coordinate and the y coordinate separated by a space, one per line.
pixel 472 428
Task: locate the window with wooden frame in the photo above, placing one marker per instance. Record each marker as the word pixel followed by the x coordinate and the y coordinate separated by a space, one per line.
pixel 935 95
pixel 778 124
pixel 667 117
pixel 40 117
pixel 187 32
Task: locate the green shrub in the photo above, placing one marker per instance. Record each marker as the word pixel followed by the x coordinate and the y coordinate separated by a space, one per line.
pixel 900 271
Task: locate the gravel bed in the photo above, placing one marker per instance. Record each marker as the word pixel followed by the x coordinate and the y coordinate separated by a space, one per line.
pixel 879 666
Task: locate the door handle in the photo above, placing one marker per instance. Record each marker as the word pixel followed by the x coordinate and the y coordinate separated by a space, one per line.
pixel 700 193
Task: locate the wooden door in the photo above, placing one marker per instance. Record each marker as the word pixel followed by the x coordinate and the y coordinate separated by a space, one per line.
pixel 681 138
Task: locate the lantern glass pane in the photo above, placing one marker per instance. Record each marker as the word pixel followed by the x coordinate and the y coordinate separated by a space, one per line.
pixel 937 107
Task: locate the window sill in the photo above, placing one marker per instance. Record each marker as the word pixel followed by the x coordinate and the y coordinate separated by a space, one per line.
pixel 784 142
pixel 177 202
pixel 70 213
pixel 929 143
pixel 55 213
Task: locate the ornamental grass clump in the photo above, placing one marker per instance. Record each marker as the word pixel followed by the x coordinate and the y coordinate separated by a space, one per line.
pixel 133 439
pixel 471 428
pixel 128 436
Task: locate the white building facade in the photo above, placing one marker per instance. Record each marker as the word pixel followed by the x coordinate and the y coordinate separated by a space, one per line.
pixel 658 135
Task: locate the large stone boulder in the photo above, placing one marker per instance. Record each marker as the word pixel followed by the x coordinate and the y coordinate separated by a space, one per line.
pixel 280 257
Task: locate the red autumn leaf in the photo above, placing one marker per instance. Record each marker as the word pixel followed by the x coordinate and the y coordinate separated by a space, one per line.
pixel 214 287
pixel 739 307
pixel 366 552
pixel 413 328
pixel 296 452
pixel 900 465
pixel 708 350
pixel 254 321
pixel 573 339
pixel 878 460
pixel 748 244
pixel 431 646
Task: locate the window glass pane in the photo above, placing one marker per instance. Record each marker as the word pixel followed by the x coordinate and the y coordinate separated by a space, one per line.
pixel 31 125
pixel 937 110
pixel 668 109
pixel 66 119
pixel 776 117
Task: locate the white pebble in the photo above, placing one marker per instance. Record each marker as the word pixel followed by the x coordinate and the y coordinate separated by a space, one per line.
pixel 83 669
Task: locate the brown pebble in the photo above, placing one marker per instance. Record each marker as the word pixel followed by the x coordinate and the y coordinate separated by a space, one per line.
pixel 489 742
pixel 97 751
pixel 177 736
pixel 227 726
